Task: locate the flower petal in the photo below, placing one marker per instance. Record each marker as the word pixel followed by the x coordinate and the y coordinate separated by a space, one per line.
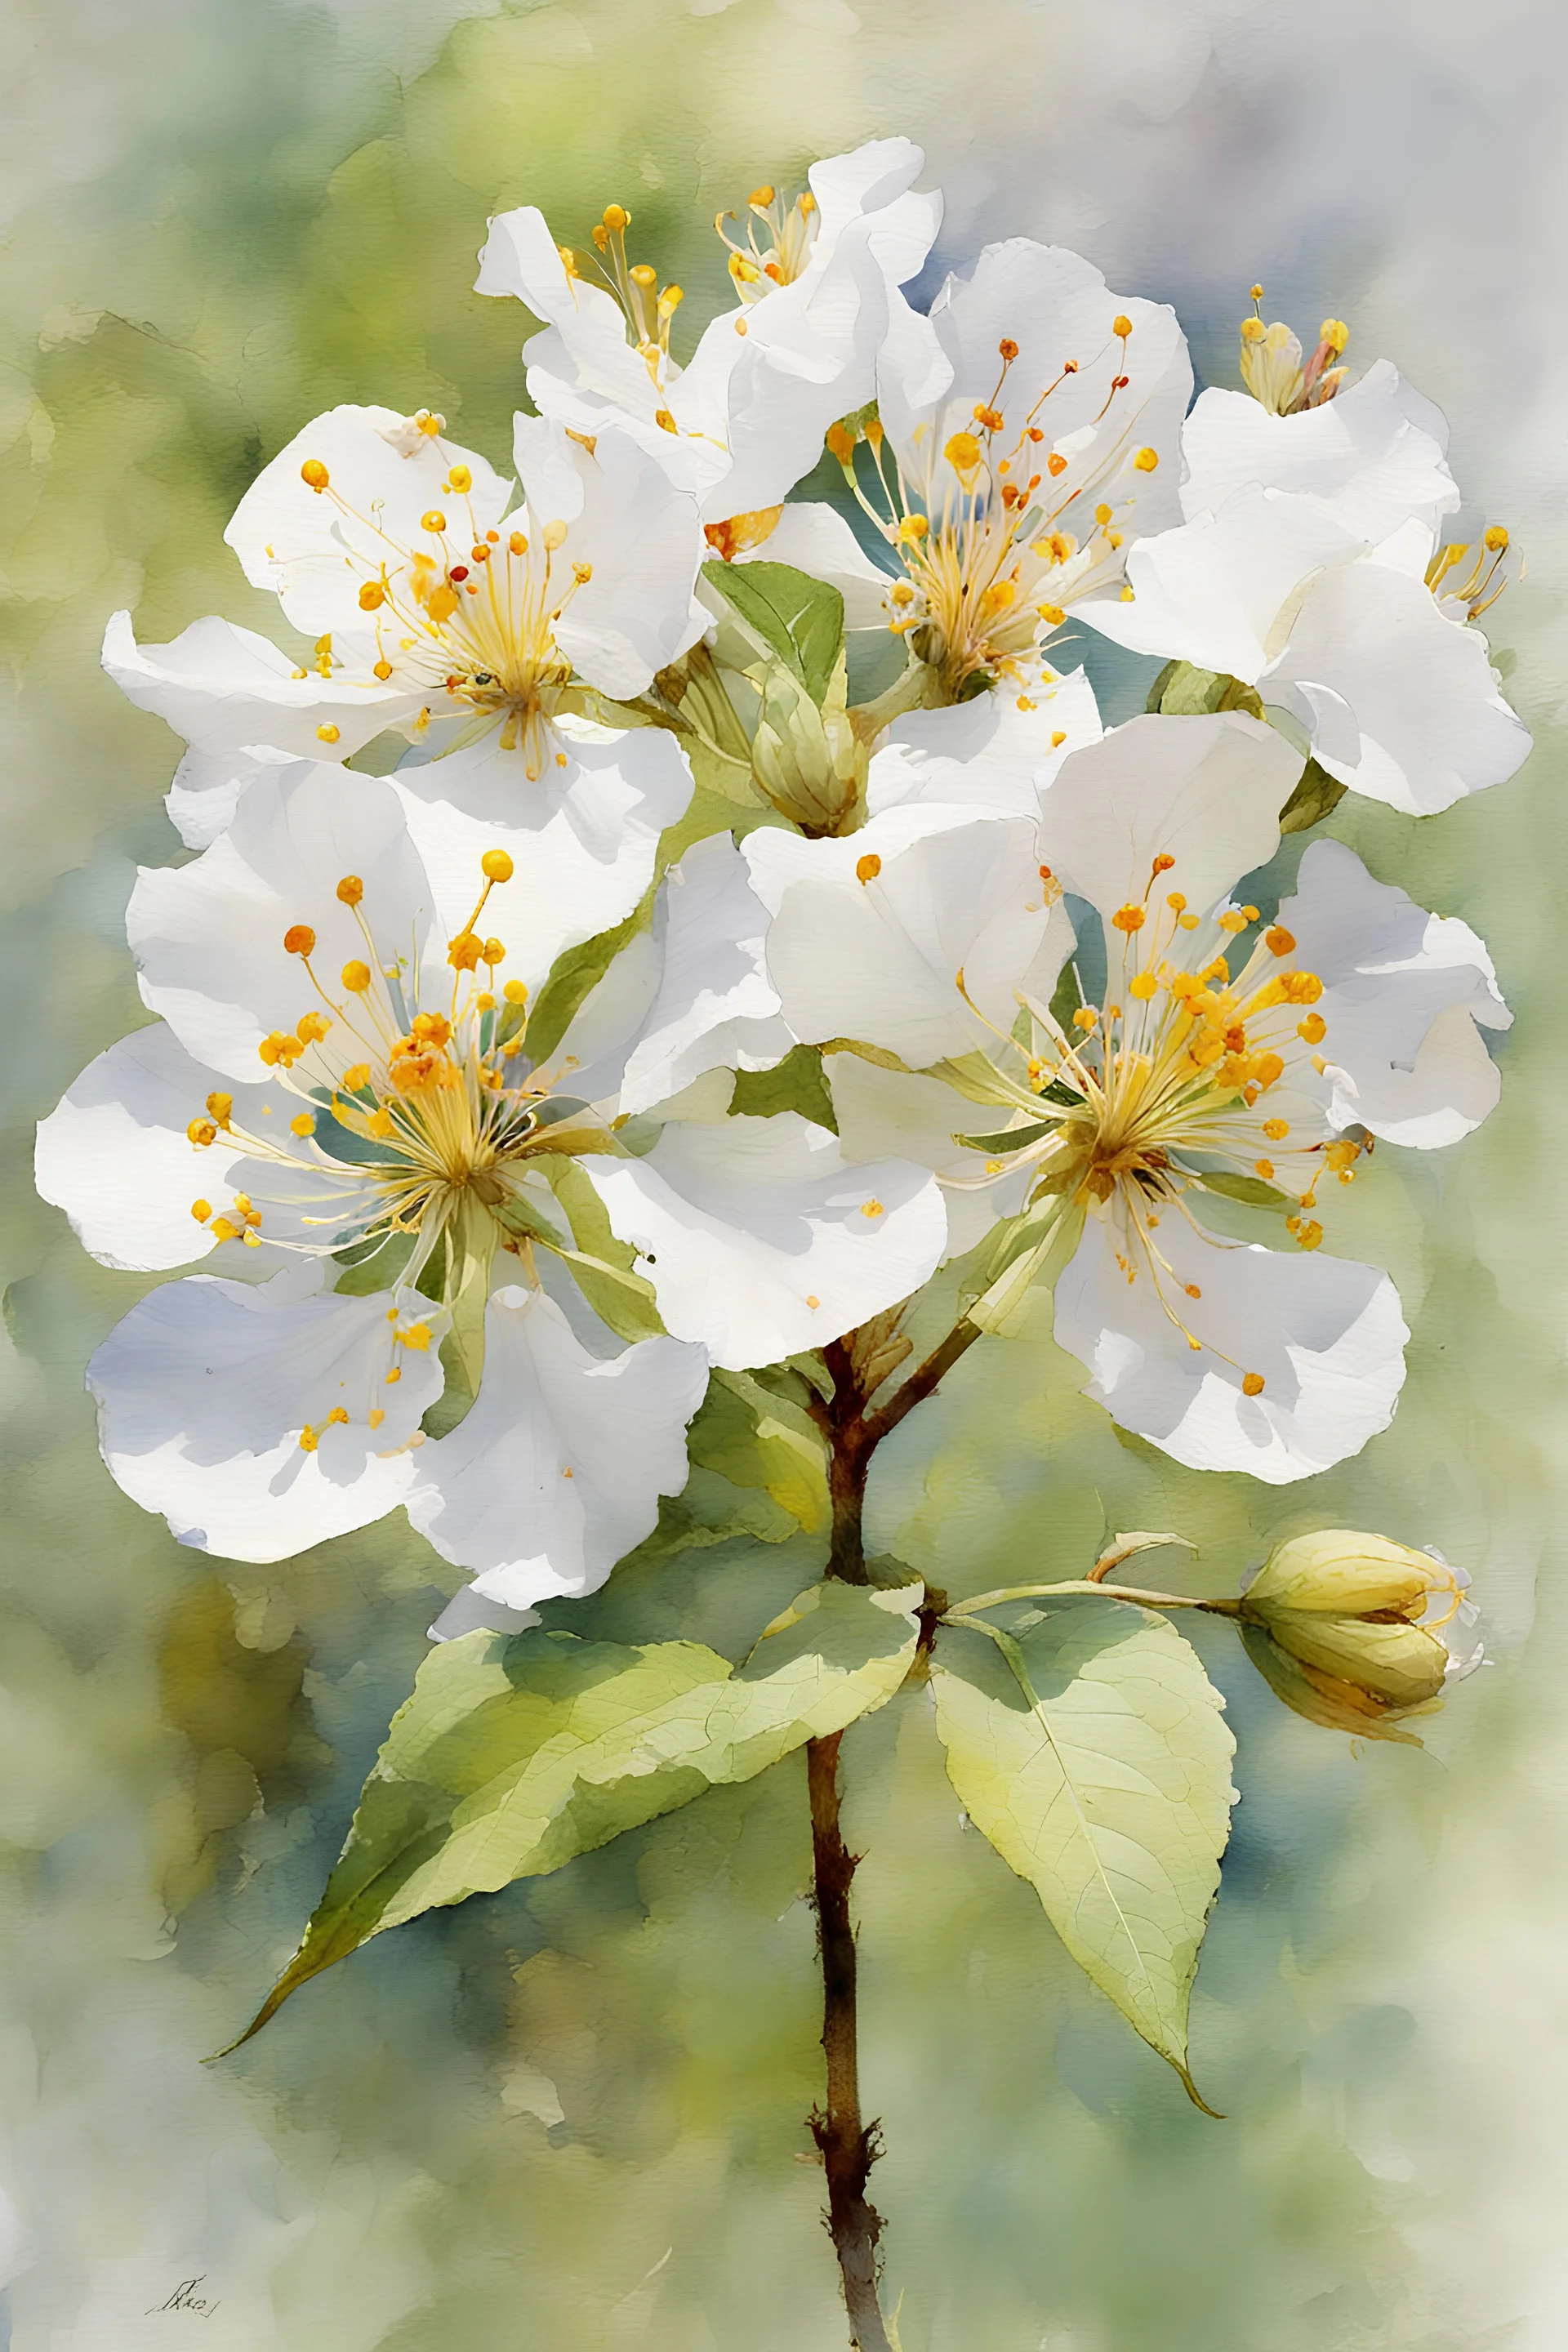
pixel 1326 1336
pixel 716 1007
pixel 1423 722
pixel 1213 590
pixel 1361 456
pixel 1205 792
pixel 117 1156
pixel 208 936
pixel 760 1240
pixel 294 540
pixel 1403 991
pixel 582 835
pixel 894 1114
pixel 870 942
pixel 635 535
pixel 223 688
pixel 985 753
pixel 555 1471
pixel 205 1387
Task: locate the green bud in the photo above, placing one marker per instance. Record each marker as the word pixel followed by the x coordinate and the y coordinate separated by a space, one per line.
pixel 1356 1633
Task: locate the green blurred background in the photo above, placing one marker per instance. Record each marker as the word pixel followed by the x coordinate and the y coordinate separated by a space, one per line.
pixel 574 2118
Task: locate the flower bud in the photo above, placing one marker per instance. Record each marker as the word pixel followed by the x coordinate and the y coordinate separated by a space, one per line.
pixel 1356 1633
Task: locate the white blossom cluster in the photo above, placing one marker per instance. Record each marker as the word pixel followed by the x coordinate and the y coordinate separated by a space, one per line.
pixel 417 1135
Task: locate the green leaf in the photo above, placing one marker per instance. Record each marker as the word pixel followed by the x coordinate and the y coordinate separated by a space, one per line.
pixel 573 975
pixel 516 1753
pixel 1182 690
pixel 1010 1139
pixel 754 1437
pixel 1316 796
pixel 798 619
pixel 1091 1751
pixel 797 1083
pixel 1251 1191
pixel 603 1266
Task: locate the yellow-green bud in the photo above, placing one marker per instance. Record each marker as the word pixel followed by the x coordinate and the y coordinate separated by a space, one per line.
pixel 1354 1631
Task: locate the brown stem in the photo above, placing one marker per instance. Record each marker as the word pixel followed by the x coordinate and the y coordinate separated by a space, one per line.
pixel 849 2147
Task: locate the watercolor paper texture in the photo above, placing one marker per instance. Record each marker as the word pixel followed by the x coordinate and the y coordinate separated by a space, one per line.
pixel 574 2114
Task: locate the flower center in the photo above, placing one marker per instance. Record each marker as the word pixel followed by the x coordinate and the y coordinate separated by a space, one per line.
pixel 780 241
pixel 987 565
pixel 426 1121
pixel 469 614
pixel 1274 371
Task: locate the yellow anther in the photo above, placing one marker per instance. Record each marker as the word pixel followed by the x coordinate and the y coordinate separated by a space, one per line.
pixel 371 597
pixel 962 452
pixel 1052 615
pixel 761 197
pixel 665 421
pixel 1494 538
pixel 744 272
pixel 356 1076
pixel 1086 1018
pixel 1146 460
pixel 1276 1129
pixel 1256 293
pixel 515 992
pixel 380 1124
pixel 298 939
pixel 384 671
pixel 872 1208
pixel 375 1416
pixel 669 302
pixel 220 1106
pixel 1233 920
pixel 329 733
pixel 582 573
pixel 866 869
pixel 493 952
pixel 1177 901
pixel 1253 330
pixel 496 866
pixel 351 890
pixel 201 1211
pixel 394 1375
pixel 1264 1168
pixel 1121 324
pixel 840 442
pixel 433 519
pixel 311 1027
pixel 1142 985
pixel 1279 940
pixel 1128 918
pixel 459 479
pixel 1252 1384
pixel 202 1133
pixel 641 275
pixel 416 1336
pixel 314 475
pixel 303 1124
pixel 552 534
pixel 1336 334
pixel 356 977
pixel 1058 739
pixel 913 528
pixel 1267 1068
pixel 1301 987
pixel 223 1230
pixel 617 219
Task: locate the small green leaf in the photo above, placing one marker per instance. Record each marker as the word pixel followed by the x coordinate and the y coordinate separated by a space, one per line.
pixel 1251 1191
pixel 1010 1139
pixel 1091 1751
pixel 1316 796
pixel 603 1266
pixel 754 1437
pixel 972 1076
pixel 1182 690
pixel 572 977
pixel 798 619
pixel 797 1083
pixel 515 1754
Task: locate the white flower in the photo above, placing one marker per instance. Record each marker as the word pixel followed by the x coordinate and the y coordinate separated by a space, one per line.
pixel 1223 1054
pixel 745 419
pixel 439 606
pixel 1307 567
pixel 344 1077
pixel 1026 428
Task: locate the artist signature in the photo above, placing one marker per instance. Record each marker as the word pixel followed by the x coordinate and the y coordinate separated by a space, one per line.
pixel 186 2299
